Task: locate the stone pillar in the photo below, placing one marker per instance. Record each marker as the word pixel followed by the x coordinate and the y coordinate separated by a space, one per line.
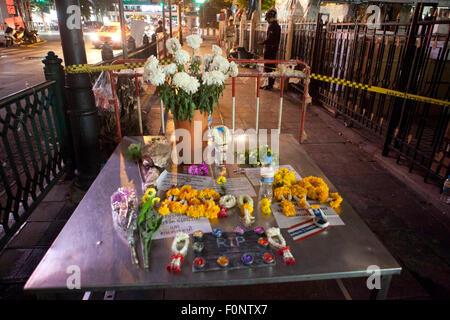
pixel 252 37
pixel 243 23
pixel 290 38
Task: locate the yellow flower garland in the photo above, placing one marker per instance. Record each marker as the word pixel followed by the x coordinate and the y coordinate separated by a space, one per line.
pixel 337 200
pixel 284 177
pixel 282 193
pixel 190 202
pixel 248 207
pixel 288 208
pixel 208 194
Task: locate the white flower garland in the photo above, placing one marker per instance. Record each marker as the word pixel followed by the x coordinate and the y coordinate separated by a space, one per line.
pixel 228 201
pixel 277 241
pixel 178 253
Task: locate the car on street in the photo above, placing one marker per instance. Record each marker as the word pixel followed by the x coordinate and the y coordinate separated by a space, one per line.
pixel 111 34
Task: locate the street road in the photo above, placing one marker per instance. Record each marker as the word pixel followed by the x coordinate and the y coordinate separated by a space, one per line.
pixel 21 67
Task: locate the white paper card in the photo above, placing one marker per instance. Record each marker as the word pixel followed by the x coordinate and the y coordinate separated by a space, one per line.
pixel 174 223
pixel 168 179
pixel 237 187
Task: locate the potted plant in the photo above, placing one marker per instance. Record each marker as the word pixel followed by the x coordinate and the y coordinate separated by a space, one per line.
pixel 190 85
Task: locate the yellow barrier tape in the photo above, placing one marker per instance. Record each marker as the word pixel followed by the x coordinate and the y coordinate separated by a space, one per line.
pixel 375 89
pixel 85 68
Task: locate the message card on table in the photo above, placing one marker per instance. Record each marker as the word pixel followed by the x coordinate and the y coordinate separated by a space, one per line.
pixel 168 179
pixel 174 223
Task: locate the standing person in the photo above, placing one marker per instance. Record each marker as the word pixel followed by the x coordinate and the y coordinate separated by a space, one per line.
pixel 160 27
pixel 229 36
pixel 271 44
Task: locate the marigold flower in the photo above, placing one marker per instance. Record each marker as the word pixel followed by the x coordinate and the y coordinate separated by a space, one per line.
pixel 288 208
pixel 208 194
pixel 247 207
pixel 282 193
pixel 302 203
pixel 164 208
pixel 337 200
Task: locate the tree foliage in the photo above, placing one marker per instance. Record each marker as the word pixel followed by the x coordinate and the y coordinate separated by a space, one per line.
pixel 243 4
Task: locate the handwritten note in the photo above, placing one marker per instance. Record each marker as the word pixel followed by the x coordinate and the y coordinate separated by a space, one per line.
pixel 168 179
pixel 237 187
pixel 174 223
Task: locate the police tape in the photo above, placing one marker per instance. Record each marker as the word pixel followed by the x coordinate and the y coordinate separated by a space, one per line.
pixel 86 68
pixel 376 89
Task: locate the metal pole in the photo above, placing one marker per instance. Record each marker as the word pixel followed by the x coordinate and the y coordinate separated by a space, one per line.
pixel 81 102
pixel 164 28
pixel 122 30
pixel 180 31
pixel 170 18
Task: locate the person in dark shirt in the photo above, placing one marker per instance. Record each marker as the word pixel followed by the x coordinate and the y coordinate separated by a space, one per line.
pixel 160 27
pixel 271 44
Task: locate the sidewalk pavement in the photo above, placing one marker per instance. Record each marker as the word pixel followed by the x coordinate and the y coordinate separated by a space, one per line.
pixel 407 223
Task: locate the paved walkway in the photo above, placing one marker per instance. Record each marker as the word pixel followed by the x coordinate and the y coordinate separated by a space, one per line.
pixel 411 228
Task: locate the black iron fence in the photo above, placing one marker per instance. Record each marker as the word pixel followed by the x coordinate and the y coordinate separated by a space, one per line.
pixel 408 57
pixel 30 152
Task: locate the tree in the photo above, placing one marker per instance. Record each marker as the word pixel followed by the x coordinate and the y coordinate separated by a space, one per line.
pixel 42 6
pixel 265 4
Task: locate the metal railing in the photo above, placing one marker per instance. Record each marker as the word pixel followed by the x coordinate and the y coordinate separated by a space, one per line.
pixel 411 57
pixel 30 153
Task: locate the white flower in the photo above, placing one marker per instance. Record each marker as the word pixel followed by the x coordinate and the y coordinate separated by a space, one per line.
pixel 182 57
pixel 207 60
pixel 211 78
pixel 170 68
pixel 158 77
pixel 173 45
pixel 194 41
pixel 233 71
pixel 216 50
pixel 185 82
pixel 220 63
pixel 151 64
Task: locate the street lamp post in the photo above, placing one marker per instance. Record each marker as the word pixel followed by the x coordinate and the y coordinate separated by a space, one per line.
pixel 164 28
pixel 81 102
pixel 170 18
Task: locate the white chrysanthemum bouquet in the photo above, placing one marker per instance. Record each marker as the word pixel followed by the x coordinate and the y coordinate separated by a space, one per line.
pixel 189 82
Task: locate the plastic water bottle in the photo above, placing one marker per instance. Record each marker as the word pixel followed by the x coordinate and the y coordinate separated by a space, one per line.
pixel 267 174
pixel 445 196
pixel 210 135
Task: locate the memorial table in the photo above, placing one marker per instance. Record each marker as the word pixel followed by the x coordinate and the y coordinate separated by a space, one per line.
pixel 89 241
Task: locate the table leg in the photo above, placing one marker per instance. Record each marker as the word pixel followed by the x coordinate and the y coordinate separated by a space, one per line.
pixel 381 294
